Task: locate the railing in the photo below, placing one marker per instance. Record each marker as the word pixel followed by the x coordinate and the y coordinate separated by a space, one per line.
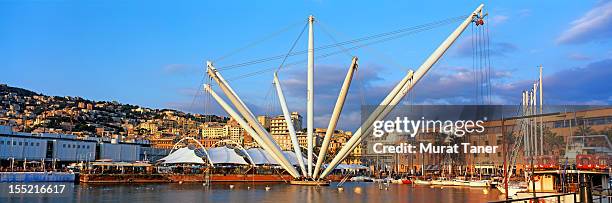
pixel 558 198
pixel 602 194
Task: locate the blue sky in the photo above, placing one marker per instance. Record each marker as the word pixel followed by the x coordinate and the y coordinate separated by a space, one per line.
pixel 152 53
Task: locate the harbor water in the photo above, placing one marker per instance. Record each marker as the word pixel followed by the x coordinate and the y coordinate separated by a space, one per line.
pixel 256 192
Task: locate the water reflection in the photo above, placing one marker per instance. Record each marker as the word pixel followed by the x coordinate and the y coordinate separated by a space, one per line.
pixel 256 192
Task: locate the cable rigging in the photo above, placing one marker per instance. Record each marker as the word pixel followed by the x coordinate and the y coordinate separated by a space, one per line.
pixel 422 27
pixel 325 55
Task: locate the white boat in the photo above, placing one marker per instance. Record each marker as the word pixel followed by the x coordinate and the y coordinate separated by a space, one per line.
pixel 478 183
pixel 441 181
pixel 459 182
pixel 398 181
pixel 512 189
pixel 448 183
pixel 422 182
pixel 361 179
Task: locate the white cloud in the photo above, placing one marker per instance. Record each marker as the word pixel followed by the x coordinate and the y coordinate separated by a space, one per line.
pixel 596 24
pixel 498 19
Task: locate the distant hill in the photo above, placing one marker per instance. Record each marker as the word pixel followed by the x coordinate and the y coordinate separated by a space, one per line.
pixel 4 88
pixel 78 115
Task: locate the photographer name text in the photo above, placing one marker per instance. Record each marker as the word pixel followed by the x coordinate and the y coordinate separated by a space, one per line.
pixel 429 148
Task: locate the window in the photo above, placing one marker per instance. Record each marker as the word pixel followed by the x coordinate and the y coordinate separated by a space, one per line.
pixel 37 144
pixel 2 142
pixel 597 121
pixel 87 146
pixel 31 144
pixel 20 143
pixel 25 144
pixel 64 146
pixel 78 146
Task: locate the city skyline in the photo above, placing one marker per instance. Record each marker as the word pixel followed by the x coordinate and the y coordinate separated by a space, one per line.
pixel 157 61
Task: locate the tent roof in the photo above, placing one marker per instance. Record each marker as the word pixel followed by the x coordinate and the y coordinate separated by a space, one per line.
pixel 182 156
pixel 224 155
pixel 261 157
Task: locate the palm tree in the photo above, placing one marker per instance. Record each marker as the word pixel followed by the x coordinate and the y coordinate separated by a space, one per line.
pixel 584 130
pixel 552 141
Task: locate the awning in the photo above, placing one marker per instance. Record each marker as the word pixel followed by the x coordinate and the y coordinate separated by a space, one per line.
pixel 224 155
pixel 261 157
pixel 182 156
pixel 123 164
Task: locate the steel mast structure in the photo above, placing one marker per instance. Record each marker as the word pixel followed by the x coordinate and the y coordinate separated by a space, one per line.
pixel 247 120
pixel 335 116
pixel 290 128
pixel 399 91
pixel 310 96
pixel 267 143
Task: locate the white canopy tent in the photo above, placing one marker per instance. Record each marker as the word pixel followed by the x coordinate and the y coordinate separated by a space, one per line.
pixel 261 157
pixel 182 156
pixel 224 155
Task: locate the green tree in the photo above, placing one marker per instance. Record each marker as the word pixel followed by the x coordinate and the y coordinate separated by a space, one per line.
pixel 584 130
pixel 552 141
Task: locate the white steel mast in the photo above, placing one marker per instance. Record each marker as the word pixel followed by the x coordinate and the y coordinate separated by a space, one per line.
pixel 269 144
pixel 526 145
pixel 290 128
pixel 398 92
pixel 333 121
pixel 310 96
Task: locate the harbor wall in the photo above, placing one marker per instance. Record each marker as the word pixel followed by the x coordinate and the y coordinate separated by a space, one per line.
pixel 36 177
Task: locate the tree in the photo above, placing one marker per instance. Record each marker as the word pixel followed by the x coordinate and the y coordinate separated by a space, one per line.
pixel 552 141
pixel 584 130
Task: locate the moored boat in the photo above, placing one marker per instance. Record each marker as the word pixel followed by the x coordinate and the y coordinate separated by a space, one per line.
pixel 422 182
pixel 441 181
pixel 478 183
pixel 512 189
pixel 459 182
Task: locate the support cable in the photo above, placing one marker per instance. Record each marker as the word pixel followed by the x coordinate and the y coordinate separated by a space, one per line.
pixel 489 60
pixel 252 44
pixel 367 38
pixel 331 53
